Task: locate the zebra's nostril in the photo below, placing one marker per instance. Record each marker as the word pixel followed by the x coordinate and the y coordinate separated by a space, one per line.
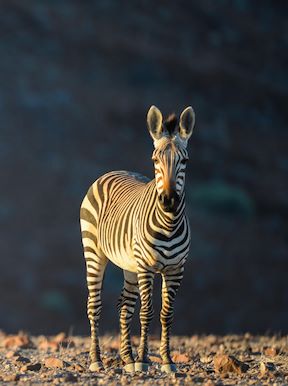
pixel 166 200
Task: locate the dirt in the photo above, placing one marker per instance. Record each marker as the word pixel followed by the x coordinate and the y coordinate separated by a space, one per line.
pixel 207 360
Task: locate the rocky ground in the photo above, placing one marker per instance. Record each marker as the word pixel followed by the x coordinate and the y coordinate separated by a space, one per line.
pixel 208 360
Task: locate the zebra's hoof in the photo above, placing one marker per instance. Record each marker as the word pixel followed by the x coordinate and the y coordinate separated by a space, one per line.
pixel 169 368
pixel 96 366
pixel 129 368
pixel 141 366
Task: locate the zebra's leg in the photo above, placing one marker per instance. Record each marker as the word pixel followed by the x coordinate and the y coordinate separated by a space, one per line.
pixel 145 283
pixel 170 284
pixel 96 265
pixel 126 307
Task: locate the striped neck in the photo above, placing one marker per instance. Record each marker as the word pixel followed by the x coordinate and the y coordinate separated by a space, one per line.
pixel 167 219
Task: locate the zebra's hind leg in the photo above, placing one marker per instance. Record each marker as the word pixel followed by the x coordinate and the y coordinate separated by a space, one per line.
pixel 96 265
pixel 170 284
pixel 126 307
pixel 145 282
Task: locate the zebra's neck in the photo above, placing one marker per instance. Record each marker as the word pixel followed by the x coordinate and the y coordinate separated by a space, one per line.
pixel 166 219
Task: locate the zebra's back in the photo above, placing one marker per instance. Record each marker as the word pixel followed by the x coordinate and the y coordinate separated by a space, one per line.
pixel 108 214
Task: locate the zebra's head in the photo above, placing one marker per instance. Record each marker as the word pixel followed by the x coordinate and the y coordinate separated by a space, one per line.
pixel 170 155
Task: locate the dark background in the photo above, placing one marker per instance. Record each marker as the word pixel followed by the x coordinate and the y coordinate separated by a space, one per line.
pixel 76 81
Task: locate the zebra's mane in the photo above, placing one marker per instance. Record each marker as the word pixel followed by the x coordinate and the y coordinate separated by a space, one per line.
pixel 170 123
pixel 170 136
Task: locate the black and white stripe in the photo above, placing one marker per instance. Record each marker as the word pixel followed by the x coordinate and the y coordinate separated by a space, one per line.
pixel 140 226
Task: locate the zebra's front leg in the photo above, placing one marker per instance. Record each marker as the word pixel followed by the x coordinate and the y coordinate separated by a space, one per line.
pixel 145 283
pixel 95 271
pixel 126 307
pixel 170 284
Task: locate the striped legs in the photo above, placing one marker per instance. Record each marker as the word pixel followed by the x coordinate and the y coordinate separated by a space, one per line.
pixel 170 284
pixel 95 272
pixel 145 282
pixel 126 306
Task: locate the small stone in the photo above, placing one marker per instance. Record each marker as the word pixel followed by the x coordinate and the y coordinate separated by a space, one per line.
pixel 54 363
pixel 267 368
pixel 112 362
pixel 221 348
pixel 10 354
pixel 17 341
pixel 115 371
pixel 115 344
pixel 69 377
pixel 59 337
pixel 177 375
pixel 209 383
pixel 270 352
pixel 78 367
pixel 11 377
pixel 224 364
pixel 48 345
pixel 20 359
pixel 247 336
pixel 31 367
pixel 155 358
pixel 180 358
pixel 205 359
pixel 211 339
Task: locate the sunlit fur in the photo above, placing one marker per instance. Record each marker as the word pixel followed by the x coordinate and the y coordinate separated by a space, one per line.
pixel 122 221
pixel 170 158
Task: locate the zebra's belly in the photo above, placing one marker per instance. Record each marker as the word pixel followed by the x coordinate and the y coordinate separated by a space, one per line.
pixel 123 260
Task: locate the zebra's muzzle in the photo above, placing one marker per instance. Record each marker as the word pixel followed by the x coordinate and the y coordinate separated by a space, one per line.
pixel 169 201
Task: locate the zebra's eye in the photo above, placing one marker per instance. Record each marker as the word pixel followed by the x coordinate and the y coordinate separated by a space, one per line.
pixel 184 161
pixel 155 160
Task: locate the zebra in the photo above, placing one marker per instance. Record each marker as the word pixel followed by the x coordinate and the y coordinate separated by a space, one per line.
pixel 140 225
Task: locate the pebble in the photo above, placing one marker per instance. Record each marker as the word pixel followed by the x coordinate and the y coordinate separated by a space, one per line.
pixel 209 383
pixel 55 363
pixel 31 367
pixel 78 367
pixel 10 377
pixel 225 364
pixel 17 341
pixel 69 377
pixel 267 368
pixel 180 358
pixel 270 352
pixel 48 345
pixel 155 358
pixel 59 337
pixel 205 359
pixel 11 354
pixel 20 359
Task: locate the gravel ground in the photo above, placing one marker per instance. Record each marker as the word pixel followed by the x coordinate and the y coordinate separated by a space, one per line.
pixel 207 360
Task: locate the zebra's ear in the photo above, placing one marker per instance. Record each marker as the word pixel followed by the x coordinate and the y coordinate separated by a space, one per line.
pixel 154 122
pixel 186 124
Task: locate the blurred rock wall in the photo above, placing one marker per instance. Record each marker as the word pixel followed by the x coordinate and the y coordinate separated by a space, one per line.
pixel 76 80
